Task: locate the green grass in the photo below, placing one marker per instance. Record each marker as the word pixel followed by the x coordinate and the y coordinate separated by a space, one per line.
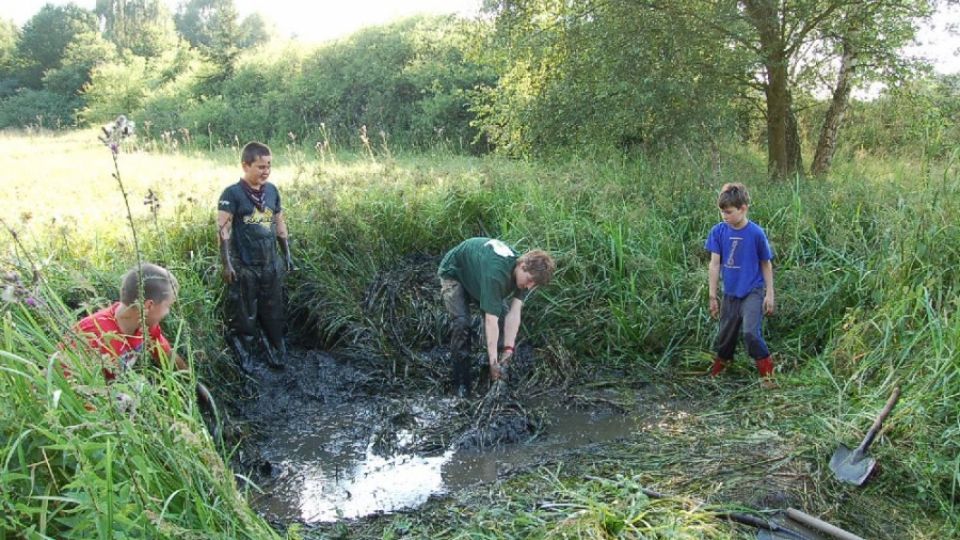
pixel 866 278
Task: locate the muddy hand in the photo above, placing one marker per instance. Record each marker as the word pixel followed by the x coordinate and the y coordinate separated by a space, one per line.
pixel 287 254
pixel 496 372
pixel 229 274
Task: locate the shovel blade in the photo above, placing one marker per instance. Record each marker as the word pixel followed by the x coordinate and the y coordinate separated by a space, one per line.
pixel 851 466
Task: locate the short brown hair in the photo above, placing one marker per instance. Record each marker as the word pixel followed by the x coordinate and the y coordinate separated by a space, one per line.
pixel 733 194
pixel 158 284
pixel 253 151
pixel 539 264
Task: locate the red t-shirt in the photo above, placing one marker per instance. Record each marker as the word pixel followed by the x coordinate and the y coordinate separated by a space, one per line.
pixel 104 335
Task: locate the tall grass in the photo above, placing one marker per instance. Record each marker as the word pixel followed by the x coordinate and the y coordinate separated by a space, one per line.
pixel 865 274
pixel 84 460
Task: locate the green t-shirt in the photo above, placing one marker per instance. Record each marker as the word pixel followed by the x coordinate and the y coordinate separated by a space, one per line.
pixel 484 267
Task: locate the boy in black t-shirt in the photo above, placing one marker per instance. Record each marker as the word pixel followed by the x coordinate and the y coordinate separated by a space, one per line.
pixel 251 224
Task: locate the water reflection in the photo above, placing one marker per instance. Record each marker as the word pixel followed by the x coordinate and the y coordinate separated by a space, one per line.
pixel 325 477
pixel 374 484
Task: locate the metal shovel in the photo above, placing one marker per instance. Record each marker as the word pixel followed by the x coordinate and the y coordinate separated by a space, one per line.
pixel 854 466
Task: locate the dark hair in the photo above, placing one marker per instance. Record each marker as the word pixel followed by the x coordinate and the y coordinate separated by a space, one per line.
pixel 158 284
pixel 733 194
pixel 539 264
pixel 253 151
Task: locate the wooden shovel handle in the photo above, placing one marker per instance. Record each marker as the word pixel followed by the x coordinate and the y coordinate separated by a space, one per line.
pixel 875 428
pixel 820 525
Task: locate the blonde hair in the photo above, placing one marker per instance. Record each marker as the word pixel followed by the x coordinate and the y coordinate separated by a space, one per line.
pixel 158 284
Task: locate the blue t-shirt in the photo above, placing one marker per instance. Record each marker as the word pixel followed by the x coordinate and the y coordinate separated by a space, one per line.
pixel 741 252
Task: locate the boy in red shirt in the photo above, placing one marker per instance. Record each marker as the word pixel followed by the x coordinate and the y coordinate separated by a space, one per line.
pixel 116 332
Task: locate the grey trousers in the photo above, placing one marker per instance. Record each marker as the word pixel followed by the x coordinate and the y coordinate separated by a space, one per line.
pixel 457 304
pixel 742 316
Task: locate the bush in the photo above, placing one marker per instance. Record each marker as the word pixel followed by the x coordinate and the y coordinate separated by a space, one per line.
pixel 39 108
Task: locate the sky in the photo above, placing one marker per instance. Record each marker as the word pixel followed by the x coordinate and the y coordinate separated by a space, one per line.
pixel 308 20
pixel 321 20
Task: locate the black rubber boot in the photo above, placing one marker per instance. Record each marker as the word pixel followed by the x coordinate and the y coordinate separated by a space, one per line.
pixel 241 346
pixel 462 374
pixel 459 345
pixel 276 357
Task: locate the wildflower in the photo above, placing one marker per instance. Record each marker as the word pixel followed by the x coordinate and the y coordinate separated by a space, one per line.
pixel 9 294
pixel 115 132
pixel 152 201
pixel 126 404
pixel 15 291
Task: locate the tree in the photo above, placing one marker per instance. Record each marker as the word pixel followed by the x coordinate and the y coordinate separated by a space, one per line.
pixel 782 48
pixel 9 36
pixel 143 27
pixel 864 42
pixel 80 57
pixel 794 43
pixel 45 37
pixel 255 30
pixel 601 73
pixel 215 29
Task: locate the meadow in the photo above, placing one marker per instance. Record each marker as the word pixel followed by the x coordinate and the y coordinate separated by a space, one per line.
pixel 866 276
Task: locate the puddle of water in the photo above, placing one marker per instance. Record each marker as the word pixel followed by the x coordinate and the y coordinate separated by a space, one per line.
pixel 569 429
pixel 324 478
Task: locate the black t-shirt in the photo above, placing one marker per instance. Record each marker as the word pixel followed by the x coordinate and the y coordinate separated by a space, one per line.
pixel 254 238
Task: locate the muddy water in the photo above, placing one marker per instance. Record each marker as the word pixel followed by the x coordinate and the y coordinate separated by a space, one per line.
pixel 332 440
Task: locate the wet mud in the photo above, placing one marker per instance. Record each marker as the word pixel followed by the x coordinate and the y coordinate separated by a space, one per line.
pixel 332 437
pixel 373 428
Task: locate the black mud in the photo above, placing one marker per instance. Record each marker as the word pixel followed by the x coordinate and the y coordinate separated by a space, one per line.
pixel 333 437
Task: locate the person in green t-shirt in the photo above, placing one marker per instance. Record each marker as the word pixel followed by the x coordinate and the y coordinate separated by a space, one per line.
pixel 488 271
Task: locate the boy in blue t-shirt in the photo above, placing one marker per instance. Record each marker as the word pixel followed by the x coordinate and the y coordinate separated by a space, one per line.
pixel 740 251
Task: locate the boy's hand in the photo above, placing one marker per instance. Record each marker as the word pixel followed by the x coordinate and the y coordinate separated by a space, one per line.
pixel 505 356
pixel 714 307
pixel 287 257
pixel 229 274
pixel 495 372
pixel 769 304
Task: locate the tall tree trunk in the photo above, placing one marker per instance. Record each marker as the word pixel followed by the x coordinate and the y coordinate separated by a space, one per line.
pixel 827 145
pixel 778 112
pixel 794 150
pixel 765 17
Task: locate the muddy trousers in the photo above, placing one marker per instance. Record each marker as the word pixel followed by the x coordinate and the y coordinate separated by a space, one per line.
pixel 742 316
pixel 254 302
pixel 458 308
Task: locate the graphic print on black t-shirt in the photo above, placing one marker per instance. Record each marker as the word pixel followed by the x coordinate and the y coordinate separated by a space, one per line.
pixel 254 239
